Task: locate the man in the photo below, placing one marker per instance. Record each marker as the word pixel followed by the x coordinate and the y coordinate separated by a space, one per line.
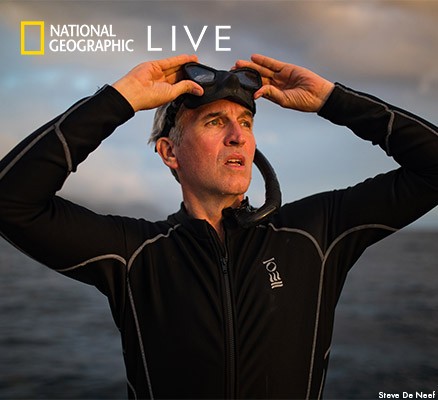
pixel 207 308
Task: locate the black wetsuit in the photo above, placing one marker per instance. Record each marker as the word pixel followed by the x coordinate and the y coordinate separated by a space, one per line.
pixel 248 318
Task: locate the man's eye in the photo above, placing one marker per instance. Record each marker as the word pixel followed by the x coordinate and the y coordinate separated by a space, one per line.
pixel 213 122
pixel 246 124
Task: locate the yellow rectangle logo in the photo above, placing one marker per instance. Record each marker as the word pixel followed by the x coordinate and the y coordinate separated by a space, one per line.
pixel 32 52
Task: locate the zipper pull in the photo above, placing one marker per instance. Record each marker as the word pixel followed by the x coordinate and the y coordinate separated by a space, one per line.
pixel 224 264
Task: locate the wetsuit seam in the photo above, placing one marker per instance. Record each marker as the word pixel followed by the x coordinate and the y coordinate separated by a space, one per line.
pixel 315 331
pixel 140 338
pixel 132 302
pixel 321 385
pixel 385 107
pixel 392 116
pixel 15 160
pixel 65 147
pixel 355 229
pixel 333 244
pixel 132 388
pixel 94 259
pixel 148 242
pixel 324 257
pixel 61 136
pixel 389 130
pixel 418 121
pixel 300 232
pixel 24 151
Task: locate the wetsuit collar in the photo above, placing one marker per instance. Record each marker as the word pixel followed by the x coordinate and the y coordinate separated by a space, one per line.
pixel 199 227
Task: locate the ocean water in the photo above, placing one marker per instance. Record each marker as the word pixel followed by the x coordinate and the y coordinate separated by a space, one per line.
pixel 58 341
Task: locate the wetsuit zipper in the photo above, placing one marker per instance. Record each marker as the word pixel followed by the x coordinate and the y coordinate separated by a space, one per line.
pixel 231 343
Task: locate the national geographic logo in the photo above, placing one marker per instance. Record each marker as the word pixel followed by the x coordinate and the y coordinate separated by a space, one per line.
pixel 70 38
pixel 31 29
pixel 38 38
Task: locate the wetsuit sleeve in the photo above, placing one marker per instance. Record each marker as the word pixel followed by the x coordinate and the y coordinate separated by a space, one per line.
pixel 397 198
pixel 52 230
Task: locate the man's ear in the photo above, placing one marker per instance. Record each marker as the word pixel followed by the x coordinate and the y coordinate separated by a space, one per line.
pixel 165 148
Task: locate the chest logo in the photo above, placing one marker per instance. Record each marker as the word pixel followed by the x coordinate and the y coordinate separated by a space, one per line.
pixel 274 275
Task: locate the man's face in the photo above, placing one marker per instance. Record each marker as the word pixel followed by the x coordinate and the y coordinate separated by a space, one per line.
pixel 216 153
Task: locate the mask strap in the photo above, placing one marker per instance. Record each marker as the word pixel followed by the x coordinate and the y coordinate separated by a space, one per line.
pixel 272 194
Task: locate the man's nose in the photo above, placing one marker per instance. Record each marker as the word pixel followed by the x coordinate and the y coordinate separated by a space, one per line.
pixel 235 135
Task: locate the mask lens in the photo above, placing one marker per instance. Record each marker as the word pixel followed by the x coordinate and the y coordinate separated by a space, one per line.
pixel 248 78
pixel 200 74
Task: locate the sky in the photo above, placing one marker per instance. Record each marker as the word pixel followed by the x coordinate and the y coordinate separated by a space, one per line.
pixel 386 48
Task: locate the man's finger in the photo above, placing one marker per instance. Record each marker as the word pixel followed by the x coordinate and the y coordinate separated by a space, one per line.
pixel 265 72
pixel 268 62
pixel 171 64
pixel 187 86
pixel 249 64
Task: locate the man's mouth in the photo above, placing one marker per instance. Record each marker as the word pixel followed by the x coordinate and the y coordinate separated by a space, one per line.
pixel 234 161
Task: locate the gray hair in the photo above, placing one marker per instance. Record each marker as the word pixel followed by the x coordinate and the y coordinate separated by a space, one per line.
pixel 175 132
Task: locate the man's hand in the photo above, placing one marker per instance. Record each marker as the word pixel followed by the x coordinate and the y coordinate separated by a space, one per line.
pixel 289 85
pixel 154 83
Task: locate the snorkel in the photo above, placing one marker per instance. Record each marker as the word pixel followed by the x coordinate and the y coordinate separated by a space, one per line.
pixel 239 86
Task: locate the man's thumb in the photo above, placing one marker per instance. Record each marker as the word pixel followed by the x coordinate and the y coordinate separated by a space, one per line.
pixel 269 92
